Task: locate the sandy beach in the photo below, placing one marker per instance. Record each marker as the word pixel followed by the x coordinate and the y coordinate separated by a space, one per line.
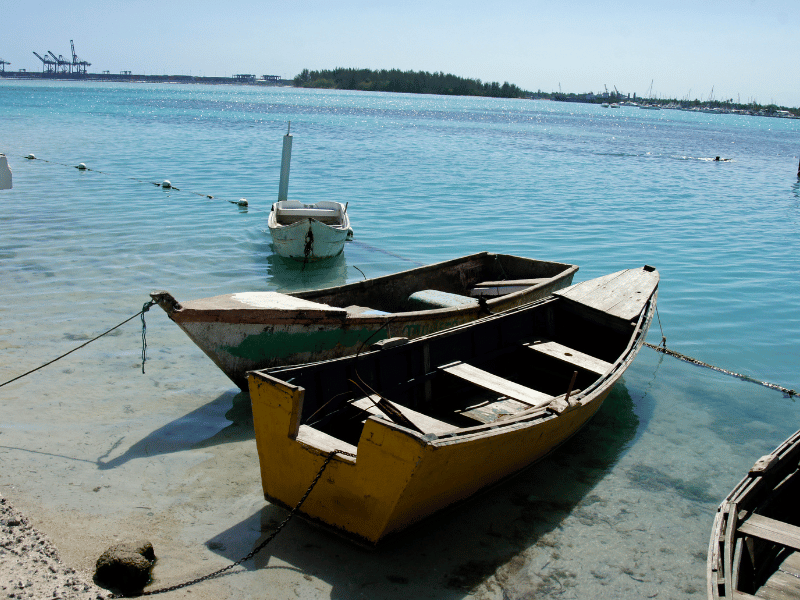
pixel 30 566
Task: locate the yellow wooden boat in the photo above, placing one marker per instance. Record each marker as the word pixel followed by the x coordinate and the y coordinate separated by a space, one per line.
pixel 421 425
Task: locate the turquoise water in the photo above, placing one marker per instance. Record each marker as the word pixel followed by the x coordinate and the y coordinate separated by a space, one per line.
pixel 623 511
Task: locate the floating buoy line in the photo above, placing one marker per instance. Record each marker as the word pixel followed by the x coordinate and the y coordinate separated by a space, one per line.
pixel 165 184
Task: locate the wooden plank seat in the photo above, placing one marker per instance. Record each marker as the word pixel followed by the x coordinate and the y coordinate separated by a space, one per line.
pixel 501 288
pixel 425 423
pixel 499 385
pixel 307 212
pixel 489 412
pixel 287 216
pixel 771 530
pixel 431 299
pixel 568 355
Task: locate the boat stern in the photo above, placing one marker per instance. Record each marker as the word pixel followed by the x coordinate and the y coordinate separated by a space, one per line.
pixel 357 495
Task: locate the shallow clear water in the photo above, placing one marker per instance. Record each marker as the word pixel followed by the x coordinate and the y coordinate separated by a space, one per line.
pixel 624 510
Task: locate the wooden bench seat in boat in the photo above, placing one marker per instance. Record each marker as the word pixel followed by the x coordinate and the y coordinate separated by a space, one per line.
pixel 488 412
pixel 307 212
pixel 499 385
pixel 501 288
pixel 323 441
pixel 568 355
pixel 425 423
pixel 771 530
pixel 286 216
pixel 431 299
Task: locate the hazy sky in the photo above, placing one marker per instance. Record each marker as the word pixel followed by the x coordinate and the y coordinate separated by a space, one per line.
pixel 741 49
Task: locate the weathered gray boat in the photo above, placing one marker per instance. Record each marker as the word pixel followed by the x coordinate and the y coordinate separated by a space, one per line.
pixel 256 330
pixel 755 541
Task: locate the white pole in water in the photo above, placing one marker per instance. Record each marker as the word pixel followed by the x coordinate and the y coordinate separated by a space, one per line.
pixel 5 173
pixel 283 188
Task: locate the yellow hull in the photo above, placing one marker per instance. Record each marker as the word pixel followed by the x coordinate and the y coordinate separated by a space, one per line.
pixel 399 476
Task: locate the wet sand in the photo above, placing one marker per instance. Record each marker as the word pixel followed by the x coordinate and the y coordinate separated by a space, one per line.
pixel 623 510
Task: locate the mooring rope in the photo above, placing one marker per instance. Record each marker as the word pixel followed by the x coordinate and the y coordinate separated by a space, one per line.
pixel 255 550
pixel 165 184
pixel 145 308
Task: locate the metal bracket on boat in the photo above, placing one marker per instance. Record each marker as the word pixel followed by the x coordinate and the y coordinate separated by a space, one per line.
pixel 166 301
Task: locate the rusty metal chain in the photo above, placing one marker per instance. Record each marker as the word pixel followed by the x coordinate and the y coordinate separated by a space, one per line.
pixel 664 350
pixel 255 550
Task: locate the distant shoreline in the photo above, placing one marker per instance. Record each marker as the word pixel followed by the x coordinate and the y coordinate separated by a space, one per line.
pixel 134 78
pixel 692 106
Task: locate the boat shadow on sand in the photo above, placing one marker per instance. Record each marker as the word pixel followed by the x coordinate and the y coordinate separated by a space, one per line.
pixel 228 418
pixel 458 549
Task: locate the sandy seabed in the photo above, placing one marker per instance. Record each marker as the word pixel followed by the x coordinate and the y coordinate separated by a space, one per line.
pixel 30 566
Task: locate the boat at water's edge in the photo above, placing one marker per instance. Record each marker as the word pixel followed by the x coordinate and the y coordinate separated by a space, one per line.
pixel 424 424
pixel 755 540
pixel 255 330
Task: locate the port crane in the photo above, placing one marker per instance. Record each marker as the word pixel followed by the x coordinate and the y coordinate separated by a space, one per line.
pixel 62 65
pixel 79 66
pixel 3 65
pixel 48 66
pixel 58 64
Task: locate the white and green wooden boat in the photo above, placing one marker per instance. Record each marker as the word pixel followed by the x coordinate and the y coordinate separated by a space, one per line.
pixel 257 330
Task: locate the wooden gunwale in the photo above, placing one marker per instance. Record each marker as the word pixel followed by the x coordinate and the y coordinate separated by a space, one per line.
pixel 740 529
pixel 181 313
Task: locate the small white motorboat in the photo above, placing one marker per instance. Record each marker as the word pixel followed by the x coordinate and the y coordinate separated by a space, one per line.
pixel 306 232
pixel 309 232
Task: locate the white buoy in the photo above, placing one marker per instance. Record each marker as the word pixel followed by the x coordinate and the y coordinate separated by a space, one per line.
pixel 239 202
pixel 30 157
pixel 81 167
pixel 166 184
pixel 5 173
pixel 283 188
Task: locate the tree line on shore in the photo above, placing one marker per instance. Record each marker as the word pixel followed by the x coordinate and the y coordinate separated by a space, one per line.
pixel 412 82
pixel 422 82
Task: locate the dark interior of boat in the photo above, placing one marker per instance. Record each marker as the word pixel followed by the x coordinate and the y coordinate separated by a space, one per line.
pixel 459 278
pixel 470 376
pixel 770 568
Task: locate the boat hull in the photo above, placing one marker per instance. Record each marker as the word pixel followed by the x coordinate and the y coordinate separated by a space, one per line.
pixel 309 232
pixel 397 479
pixel 326 241
pixel 394 476
pixel 238 336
